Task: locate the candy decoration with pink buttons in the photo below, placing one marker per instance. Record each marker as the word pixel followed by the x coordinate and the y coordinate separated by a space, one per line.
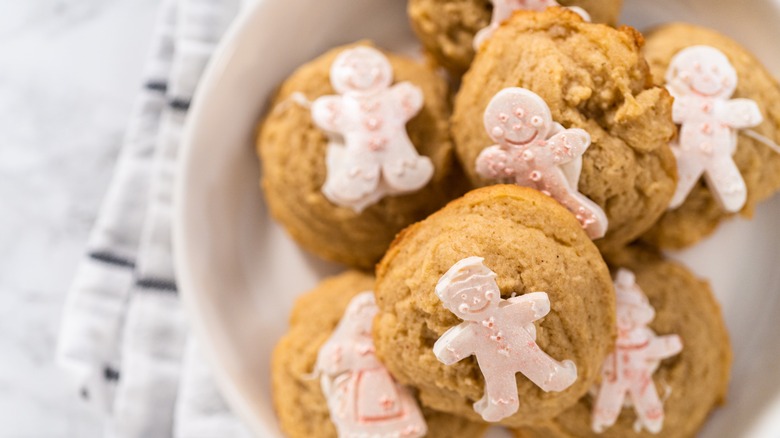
pixel 369 155
pixel 702 81
pixel 627 373
pixel 500 334
pixel 363 398
pixel 533 151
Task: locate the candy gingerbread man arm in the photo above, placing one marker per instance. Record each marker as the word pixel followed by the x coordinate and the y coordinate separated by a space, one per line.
pixel 452 345
pixel 493 162
pixel 330 359
pixel 569 144
pixel 663 347
pixel 581 12
pixel 351 177
pixel 740 113
pixel 682 108
pixel 528 307
pixel 410 97
pixel 327 113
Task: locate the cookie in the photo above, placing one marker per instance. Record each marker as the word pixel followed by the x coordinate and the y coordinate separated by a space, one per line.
pixel 690 383
pixel 298 398
pixel 447 28
pixel 525 242
pixel 344 186
pixel 592 77
pixel 758 165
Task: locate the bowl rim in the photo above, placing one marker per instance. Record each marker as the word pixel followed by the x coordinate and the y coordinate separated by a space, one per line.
pixel 223 55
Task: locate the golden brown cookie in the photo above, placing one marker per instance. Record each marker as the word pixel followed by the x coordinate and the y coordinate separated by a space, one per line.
pixel 693 382
pixel 293 157
pixel 700 215
pixel 298 398
pixel 593 77
pixel 447 28
pixel 533 244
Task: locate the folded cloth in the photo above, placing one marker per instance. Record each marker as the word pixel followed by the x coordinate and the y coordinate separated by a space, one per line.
pixel 97 301
pixel 201 411
pixel 124 332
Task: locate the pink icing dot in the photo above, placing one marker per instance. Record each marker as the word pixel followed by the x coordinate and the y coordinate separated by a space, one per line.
pixel 373 123
pixel 377 143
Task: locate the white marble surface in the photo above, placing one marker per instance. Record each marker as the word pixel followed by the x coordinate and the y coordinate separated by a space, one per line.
pixel 69 71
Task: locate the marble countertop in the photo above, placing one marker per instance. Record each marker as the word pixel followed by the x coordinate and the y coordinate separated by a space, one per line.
pixel 69 72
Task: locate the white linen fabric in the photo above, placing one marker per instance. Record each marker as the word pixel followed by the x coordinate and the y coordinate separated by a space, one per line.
pixel 124 333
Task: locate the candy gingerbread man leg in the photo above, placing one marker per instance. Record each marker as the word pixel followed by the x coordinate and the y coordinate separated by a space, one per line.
pixel 352 175
pixel 726 183
pixel 608 404
pixel 544 371
pixel 649 408
pixel 403 169
pixel 500 399
pixel 689 170
pixel 692 150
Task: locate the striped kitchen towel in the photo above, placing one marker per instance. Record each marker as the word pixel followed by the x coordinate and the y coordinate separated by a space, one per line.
pixel 124 333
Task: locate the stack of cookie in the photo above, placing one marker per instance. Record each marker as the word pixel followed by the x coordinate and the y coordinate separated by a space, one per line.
pixel 517 226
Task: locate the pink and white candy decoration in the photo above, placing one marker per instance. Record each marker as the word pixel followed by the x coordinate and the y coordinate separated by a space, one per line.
pixel 533 151
pixel 363 398
pixel 628 371
pixel 500 333
pixel 503 9
pixel 370 155
pixel 702 80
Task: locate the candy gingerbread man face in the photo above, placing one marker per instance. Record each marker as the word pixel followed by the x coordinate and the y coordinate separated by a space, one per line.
pixel 361 70
pixel 628 371
pixel 503 9
pixel 533 151
pixel 702 70
pixel 702 80
pixel 370 155
pixel 500 333
pixel 363 398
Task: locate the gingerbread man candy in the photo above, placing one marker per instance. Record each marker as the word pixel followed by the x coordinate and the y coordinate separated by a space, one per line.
pixel 503 9
pixel 702 80
pixel 500 333
pixel 363 398
pixel 370 154
pixel 533 151
pixel 628 371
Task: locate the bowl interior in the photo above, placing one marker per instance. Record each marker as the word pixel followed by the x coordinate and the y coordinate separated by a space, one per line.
pixel 240 273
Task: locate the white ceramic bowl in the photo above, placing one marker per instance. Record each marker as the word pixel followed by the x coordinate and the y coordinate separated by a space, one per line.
pixel 239 273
